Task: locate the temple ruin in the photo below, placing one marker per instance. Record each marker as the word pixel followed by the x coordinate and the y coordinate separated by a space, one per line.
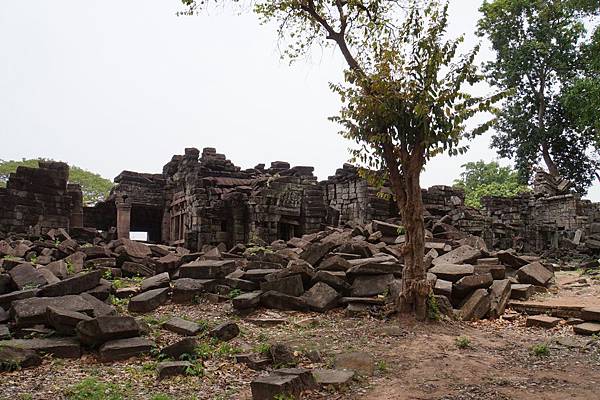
pixel 202 198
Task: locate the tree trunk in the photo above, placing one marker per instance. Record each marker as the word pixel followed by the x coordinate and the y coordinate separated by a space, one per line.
pixel 407 189
pixel 552 168
pixel 415 288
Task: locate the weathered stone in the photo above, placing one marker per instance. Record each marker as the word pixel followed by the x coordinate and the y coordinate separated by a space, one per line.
pixel 334 263
pixel 57 347
pixel 185 346
pixel 100 308
pixel 241 284
pixel 105 263
pixel 132 249
pixel 148 301
pixel 498 271
pixel 167 369
pixel 155 282
pixel 587 328
pixel 64 321
pixel 476 306
pixel 443 288
pixel 294 267
pixel 102 329
pixel 48 275
pixel 452 272
pixel 521 291
pixel 225 331
pixel 26 276
pixel 102 291
pixel 167 263
pixel 460 255
pixel 371 285
pixel 95 252
pixel 247 300
pixel 12 358
pixel 32 311
pixel 130 268
pixel 360 362
pixel 306 377
pixel 74 285
pixel 186 289
pixel 58 268
pixel 4 315
pixel 207 269
pixel 321 297
pixel 276 386
pixel 469 283
pixel 534 274
pixel 280 301
pixel 7 299
pixel 258 275
pixel 182 326
pixel 282 355
pixel 542 321
pixel 499 296
pixel 290 285
pixel 315 252
pixel 332 377
pixel 122 349
pixel 591 314
pixel 335 279
pixel 511 260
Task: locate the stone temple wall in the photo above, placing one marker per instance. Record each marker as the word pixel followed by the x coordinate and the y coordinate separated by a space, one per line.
pixel 38 199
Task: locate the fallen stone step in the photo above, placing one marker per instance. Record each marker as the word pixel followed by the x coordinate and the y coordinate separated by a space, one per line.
pixel 452 272
pixel 184 346
pixel 321 297
pixel 148 301
pixel 64 321
pixel 225 331
pixel 207 269
pixel 332 377
pixel 75 285
pixel 167 369
pixel 57 347
pixel 476 306
pixel 281 301
pixel 247 300
pixel 155 282
pixel 587 328
pixel 185 290
pixel 521 291
pixel 276 386
pixel 102 329
pixel 590 314
pixel 460 255
pixel 29 312
pixel 122 349
pixel 182 326
pixel 16 358
pixel 542 321
pixel 370 285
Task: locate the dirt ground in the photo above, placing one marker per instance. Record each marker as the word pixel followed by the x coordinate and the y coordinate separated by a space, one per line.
pixel 414 360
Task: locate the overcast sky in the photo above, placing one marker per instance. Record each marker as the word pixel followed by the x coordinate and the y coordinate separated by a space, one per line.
pixel 111 85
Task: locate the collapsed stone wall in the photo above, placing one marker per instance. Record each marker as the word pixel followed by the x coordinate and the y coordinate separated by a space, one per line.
pixel 39 199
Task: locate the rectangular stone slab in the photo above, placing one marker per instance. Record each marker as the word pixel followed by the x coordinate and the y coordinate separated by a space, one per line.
pixel 29 312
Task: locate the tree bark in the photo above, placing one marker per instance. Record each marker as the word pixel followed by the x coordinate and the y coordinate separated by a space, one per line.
pixel 407 189
pixel 552 168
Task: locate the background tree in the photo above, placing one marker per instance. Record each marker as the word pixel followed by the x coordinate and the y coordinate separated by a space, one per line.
pixel 404 99
pixel 94 187
pixel 539 48
pixel 481 179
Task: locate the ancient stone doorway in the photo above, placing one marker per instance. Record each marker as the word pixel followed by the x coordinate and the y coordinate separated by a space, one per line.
pixel 288 228
pixel 147 219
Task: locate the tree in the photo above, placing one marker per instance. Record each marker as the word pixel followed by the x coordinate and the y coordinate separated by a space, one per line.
pixel 540 46
pixel 94 187
pixel 403 97
pixel 481 179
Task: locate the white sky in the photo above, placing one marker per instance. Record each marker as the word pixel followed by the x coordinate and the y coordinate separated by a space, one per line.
pixel 111 85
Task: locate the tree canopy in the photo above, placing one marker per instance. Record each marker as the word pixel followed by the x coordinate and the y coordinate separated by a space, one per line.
pixel 94 187
pixel 544 55
pixel 404 96
pixel 481 179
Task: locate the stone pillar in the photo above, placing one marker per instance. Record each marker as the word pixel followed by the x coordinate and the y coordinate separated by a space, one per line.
pixel 123 220
pixel 76 218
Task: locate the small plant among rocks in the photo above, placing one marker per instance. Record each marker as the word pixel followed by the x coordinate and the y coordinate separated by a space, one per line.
pixel 234 293
pixel 540 350
pixel 92 389
pixel 382 366
pixel 463 342
pixel 433 308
